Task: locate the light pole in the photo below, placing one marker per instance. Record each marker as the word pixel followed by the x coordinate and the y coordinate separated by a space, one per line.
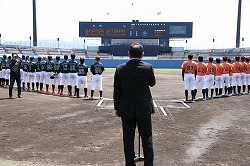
pixel 186 44
pixel 30 41
pixel 84 44
pixel 58 42
pixel 0 38
pixel 213 43
pixel 242 41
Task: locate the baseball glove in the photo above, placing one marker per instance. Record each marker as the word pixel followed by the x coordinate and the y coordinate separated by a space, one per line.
pixel 52 77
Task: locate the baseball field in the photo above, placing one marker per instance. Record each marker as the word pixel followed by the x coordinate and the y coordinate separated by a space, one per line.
pixel 40 129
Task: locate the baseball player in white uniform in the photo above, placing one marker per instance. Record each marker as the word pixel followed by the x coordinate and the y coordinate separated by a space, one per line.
pixel 72 79
pixel 189 70
pixel 97 69
pixel 49 65
pixel 57 75
pixel 64 67
pixel 82 70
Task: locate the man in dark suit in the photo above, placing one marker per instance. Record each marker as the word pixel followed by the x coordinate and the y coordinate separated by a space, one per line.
pixel 15 65
pixel 133 103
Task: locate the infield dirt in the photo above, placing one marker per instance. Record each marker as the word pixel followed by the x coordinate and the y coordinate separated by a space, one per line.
pixel 41 129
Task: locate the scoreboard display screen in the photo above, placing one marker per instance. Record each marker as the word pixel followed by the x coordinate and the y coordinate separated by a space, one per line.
pixel 136 29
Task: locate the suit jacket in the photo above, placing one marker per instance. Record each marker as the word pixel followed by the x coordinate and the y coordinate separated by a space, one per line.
pixel 132 96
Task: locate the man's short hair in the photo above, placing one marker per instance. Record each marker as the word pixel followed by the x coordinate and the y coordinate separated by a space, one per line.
pixel 97 58
pixel 242 58
pixel 217 60
pixel 200 58
pixel 136 50
pixel 190 56
pixel 237 58
pixel 224 58
pixel 210 59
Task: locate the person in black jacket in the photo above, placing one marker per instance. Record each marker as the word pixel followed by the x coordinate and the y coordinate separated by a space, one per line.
pixel 15 65
pixel 133 103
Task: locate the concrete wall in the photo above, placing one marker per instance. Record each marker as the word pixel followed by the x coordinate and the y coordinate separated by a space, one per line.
pixel 112 63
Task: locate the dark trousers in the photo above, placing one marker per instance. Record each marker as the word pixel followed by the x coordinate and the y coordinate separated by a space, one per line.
pixel 145 130
pixel 12 81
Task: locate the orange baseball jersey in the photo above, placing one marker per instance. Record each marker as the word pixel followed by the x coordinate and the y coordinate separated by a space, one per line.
pixel 243 67
pixel 219 69
pixel 201 68
pixel 248 68
pixel 189 66
pixel 231 71
pixel 226 68
pixel 237 67
pixel 211 68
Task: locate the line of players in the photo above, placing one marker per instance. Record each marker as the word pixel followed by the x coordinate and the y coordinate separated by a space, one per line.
pixel 216 76
pixel 35 74
pixel 5 70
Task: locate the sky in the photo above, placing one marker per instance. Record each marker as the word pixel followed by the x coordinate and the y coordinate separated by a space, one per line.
pixel 212 19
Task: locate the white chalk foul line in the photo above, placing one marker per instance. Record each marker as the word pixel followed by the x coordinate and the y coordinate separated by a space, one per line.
pixel 155 105
pixel 185 104
pixel 163 111
pixel 100 102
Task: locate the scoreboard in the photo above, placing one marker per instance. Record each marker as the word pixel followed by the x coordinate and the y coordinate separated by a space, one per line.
pixel 136 29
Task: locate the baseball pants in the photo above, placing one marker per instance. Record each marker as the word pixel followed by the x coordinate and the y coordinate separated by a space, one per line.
pixel 189 81
pixel 96 79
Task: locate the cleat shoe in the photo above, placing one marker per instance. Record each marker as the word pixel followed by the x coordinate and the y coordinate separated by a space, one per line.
pixel 48 91
pixel 61 94
pixel 53 92
pixel 40 91
pixel 101 97
pixel 91 98
pixel 19 96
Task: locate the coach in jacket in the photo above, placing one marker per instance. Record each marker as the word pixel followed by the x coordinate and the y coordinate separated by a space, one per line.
pixel 133 103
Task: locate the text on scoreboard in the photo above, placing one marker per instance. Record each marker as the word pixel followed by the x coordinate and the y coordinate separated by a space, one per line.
pixel 136 29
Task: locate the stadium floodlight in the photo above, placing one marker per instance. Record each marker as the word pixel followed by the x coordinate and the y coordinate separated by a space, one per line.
pixel 213 43
pixel 58 42
pixel 242 41
pixel 30 41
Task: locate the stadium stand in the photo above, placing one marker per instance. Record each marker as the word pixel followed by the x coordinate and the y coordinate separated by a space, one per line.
pixel 92 51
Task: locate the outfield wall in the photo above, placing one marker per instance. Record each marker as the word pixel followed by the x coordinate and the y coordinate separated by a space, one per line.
pixel 112 63
pixel 156 63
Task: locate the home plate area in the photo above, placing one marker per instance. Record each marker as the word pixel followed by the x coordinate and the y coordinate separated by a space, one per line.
pixel 163 107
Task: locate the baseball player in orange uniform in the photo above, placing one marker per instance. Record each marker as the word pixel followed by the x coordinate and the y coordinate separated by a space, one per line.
pixel 200 77
pixel 230 89
pixel 248 75
pixel 210 76
pixel 236 75
pixel 218 78
pixel 243 74
pixel 225 74
pixel 189 70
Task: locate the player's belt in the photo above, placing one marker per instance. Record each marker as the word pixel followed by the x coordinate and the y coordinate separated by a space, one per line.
pixel 209 74
pixel 189 73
